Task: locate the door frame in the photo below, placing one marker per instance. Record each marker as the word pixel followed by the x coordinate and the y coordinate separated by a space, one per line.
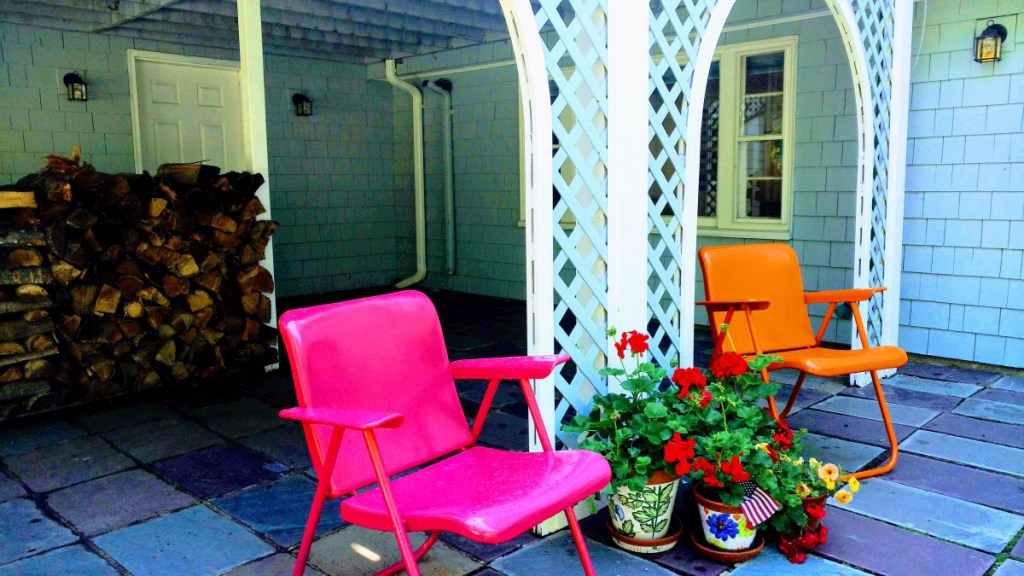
pixel 135 56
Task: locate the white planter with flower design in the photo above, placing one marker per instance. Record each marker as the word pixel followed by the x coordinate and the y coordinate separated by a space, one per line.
pixel 641 521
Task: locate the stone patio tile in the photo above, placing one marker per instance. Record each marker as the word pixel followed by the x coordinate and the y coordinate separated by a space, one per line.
pixel 557 555
pixel 286 444
pixel 995 411
pixel 1004 396
pixel 279 509
pixel 505 431
pixel 488 572
pixel 900 414
pixel 1018 550
pixel 486 552
pixel 891 551
pixel 216 471
pixel 974 376
pixel 846 427
pixel 76 560
pixel 113 418
pixel 67 463
pixel 271 565
pixel 195 541
pixel 107 503
pixel 357 551
pixel 26 437
pixel 994 432
pixel 240 418
pixel 970 484
pixel 1013 383
pixel 966 451
pixel 852 456
pixel 9 488
pixel 829 386
pixel 771 562
pixel 906 397
pixel 949 373
pixel 152 441
pixel 922 370
pixel 807 397
pixel 935 514
pixel 957 389
pixel 508 392
pixel 24 530
pixel 1010 567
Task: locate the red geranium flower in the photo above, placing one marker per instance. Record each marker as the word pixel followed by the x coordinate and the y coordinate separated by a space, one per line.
pixel 728 364
pixel 705 399
pixel 686 377
pixel 822 534
pixel 815 511
pixel 620 349
pixel 637 341
pixel 784 436
pixel 679 450
pixel 734 468
pixel 709 471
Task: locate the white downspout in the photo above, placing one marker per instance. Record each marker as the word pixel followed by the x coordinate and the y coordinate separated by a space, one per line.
pixel 417 167
pixel 444 87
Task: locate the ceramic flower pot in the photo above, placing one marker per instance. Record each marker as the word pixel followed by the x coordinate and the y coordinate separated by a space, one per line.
pixel 725 526
pixel 646 514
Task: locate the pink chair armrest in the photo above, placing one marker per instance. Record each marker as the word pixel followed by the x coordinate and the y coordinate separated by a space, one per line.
pixel 847 295
pixel 350 419
pixel 508 368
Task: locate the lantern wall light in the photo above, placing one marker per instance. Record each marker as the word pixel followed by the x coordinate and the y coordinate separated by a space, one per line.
pixel 76 87
pixel 303 105
pixel 988 46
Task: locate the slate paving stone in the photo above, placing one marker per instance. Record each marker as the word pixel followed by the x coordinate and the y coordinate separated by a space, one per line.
pixel 1010 567
pixel 507 393
pixel 114 501
pixel 978 486
pixel 9 488
pixel 286 444
pixel 486 552
pixel 195 541
pixel 906 397
pixel 1004 396
pixel 240 418
pixel 966 451
pixel 937 515
pixel 957 389
pixel 994 432
pixel 900 414
pixel 807 397
pixel 216 471
pixel 25 437
pixel 279 509
pixel 852 456
pixel 817 383
pixel 995 411
pixel 505 431
pixel 846 427
pixel 81 459
pixel 25 531
pixel 76 560
pixel 152 441
pixel 271 565
pixel 771 562
pixel 557 555
pixel 1018 550
pixel 113 418
pixel 949 373
pixel 356 551
pixel 1012 383
pixel 888 550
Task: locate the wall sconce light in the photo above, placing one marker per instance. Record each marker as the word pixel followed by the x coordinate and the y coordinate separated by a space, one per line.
pixel 76 86
pixel 988 46
pixel 303 105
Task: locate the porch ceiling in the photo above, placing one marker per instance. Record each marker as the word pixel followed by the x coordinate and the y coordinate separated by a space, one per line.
pixel 344 30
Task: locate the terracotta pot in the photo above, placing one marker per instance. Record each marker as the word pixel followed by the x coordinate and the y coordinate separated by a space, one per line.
pixel 646 514
pixel 812 522
pixel 724 526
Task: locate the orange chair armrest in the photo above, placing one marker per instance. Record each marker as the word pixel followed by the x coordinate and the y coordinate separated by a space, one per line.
pixel 508 368
pixel 847 295
pixel 350 419
pixel 726 305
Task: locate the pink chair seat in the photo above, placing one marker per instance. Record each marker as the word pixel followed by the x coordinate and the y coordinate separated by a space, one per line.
pixel 484 494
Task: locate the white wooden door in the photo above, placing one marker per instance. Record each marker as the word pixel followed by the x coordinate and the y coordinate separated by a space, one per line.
pixel 189 113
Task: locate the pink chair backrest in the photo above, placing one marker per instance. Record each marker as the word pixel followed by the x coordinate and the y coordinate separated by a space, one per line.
pixel 382 353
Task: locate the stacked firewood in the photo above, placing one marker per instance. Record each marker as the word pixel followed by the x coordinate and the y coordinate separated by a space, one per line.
pixel 156 279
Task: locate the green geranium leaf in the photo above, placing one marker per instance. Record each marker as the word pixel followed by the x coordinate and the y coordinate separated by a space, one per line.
pixel 656 410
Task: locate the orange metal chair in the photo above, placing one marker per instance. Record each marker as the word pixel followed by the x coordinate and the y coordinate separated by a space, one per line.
pixel 377 367
pixel 762 283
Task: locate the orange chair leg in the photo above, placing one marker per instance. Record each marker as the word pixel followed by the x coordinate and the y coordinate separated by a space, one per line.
pixel 420 553
pixel 894 449
pixel 581 545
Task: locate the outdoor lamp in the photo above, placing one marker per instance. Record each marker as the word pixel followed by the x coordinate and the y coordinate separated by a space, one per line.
pixel 76 86
pixel 988 46
pixel 303 105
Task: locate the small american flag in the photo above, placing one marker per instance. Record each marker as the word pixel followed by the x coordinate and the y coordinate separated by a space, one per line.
pixel 758 505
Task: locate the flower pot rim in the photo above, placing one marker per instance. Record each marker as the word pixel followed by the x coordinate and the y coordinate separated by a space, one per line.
pixel 661 477
pixel 705 501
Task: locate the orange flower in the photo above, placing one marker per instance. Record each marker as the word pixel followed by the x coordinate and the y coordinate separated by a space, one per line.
pixel 829 472
pixel 843 497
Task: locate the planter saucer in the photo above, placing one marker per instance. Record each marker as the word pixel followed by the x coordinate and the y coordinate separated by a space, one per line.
pixel 719 555
pixel 675 531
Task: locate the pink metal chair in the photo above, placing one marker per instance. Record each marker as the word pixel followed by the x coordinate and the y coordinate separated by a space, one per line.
pixel 378 367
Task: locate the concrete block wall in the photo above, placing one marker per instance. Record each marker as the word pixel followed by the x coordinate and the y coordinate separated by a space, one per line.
pixel 331 183
pixel 963 232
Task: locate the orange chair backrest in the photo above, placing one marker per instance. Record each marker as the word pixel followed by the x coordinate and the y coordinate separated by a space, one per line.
pixel 766 271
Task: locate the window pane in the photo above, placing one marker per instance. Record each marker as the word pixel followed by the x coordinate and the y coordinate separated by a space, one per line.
pixel 707 200
pixel 762 115
pixel 762 159
pixel 764 199
pixel 764 73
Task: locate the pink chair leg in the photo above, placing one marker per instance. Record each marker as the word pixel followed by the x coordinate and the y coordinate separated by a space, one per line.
pixel 581 545
pixel 401 534
pixel 323 486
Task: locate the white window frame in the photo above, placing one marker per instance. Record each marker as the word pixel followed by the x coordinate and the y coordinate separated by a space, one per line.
pixel 727 222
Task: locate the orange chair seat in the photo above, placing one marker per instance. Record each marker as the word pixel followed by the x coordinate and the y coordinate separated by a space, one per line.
pixel 484 494
pixel 828 362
